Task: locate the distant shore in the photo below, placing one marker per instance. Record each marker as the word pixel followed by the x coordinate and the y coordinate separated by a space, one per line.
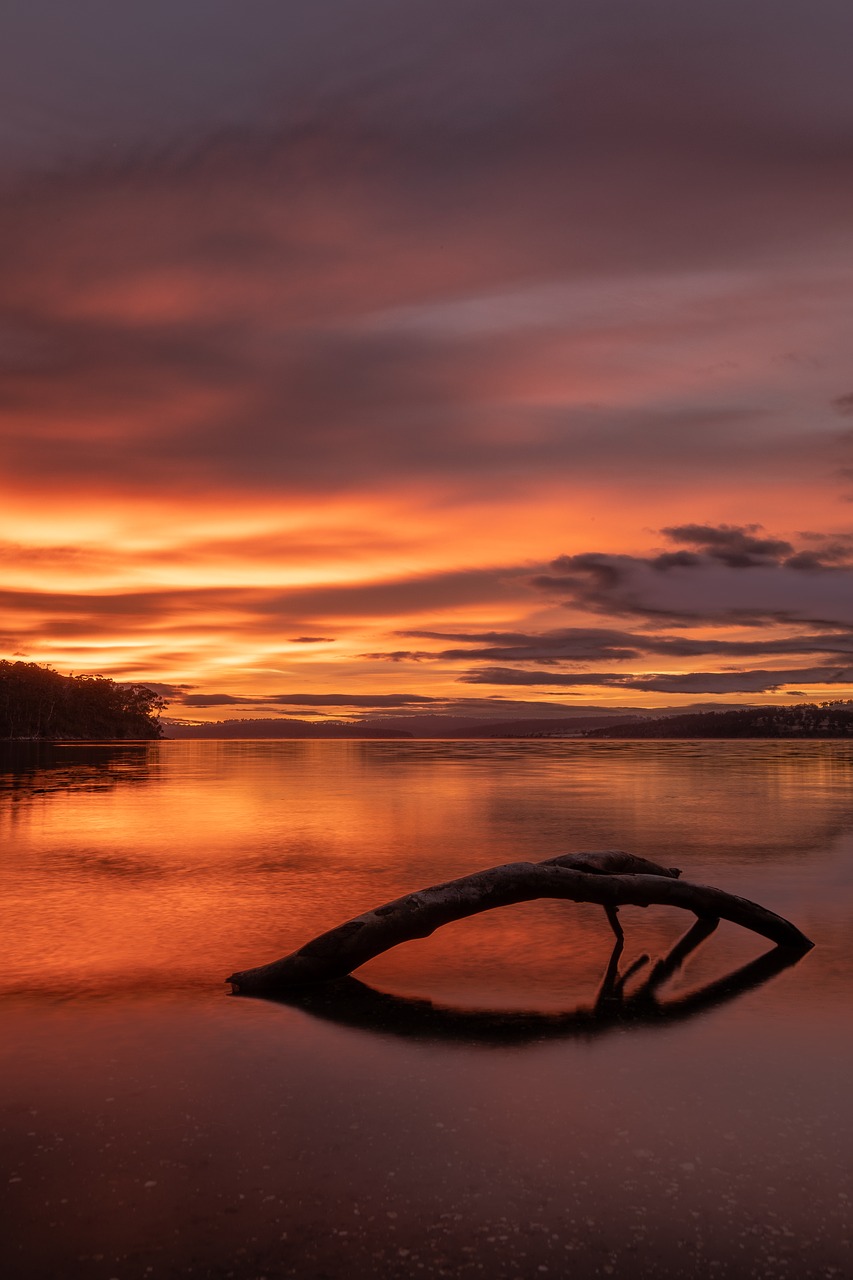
pixel 803 720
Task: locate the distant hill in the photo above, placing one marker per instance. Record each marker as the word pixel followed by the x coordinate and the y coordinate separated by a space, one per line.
pixel 551 722
pixel 431 727
pixel 575 723
pixel 39 703
pixel 803 720
pixel 534 727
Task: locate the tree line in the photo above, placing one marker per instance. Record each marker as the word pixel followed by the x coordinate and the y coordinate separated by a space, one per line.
pixel 803 720
pixel 37 702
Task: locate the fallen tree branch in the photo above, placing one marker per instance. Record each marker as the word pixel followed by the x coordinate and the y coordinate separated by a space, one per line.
pixel 610 879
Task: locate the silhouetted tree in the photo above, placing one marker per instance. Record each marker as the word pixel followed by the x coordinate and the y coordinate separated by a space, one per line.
pixel 803 720
pixel 38 702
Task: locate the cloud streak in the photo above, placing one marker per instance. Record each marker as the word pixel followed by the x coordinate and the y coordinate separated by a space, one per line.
pixel 348 700
pixel 579 644
pixel 694 682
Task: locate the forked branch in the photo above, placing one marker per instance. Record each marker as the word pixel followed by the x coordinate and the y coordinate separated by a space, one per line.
pixel 612 880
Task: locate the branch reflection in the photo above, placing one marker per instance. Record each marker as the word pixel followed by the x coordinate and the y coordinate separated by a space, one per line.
pixel 352 1003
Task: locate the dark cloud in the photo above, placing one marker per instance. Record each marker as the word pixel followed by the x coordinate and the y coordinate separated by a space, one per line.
pixel 198 310
pixel 582 644
pixel 427 711
pixel 65 556
pixel 311 639
pixel 397 655
pixel 516 676
pixel 830 549
pixel 809 561
pixel 215 700
pixel 570 644
pixel 178 691
pixel 473 637
pixel 259 608
pixel 749 681
pixel 336 406
pixel 734 545
pixel 419 593
pixel 736 577
pixel 742 681
pixel 466 67
pixel 307 700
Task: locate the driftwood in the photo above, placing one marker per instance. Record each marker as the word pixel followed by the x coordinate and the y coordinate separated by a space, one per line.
pixel 610 879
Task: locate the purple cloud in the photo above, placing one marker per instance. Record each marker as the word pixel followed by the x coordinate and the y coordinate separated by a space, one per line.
pixel 749 681
pixel 735 577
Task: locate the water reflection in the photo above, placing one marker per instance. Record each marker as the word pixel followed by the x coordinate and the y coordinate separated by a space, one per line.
pixel 29 769
pixel 173 862
pixel 364 1133
pixel 352 1003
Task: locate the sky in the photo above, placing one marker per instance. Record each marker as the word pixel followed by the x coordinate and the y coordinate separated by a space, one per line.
pixel 360 357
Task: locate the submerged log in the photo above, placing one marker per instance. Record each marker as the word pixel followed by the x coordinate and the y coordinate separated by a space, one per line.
pixel 610 879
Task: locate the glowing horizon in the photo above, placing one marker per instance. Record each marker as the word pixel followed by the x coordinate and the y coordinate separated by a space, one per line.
pixel 283 386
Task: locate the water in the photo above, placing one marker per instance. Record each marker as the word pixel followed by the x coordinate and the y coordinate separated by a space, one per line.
pixel 153 1125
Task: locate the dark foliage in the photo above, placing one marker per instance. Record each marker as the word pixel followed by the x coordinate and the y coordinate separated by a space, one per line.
pixel 805 720
pixel 38 703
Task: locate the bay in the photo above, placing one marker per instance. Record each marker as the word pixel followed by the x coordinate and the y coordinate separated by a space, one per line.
pixel 494 1115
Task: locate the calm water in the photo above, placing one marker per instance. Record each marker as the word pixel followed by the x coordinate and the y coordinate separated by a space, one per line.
pixel 153 1125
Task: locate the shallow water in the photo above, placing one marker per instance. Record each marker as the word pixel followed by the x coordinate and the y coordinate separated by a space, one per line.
pixel 153 1125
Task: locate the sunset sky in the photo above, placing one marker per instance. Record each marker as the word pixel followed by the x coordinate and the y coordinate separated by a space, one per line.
pixel 366 356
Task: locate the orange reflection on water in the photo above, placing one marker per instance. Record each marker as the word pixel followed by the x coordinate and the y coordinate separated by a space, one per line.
pixel 179 862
